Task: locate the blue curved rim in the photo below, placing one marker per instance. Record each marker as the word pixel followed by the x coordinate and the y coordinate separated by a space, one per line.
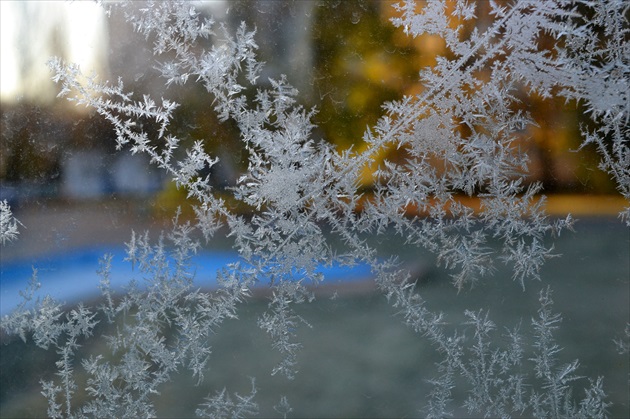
pixel 72 276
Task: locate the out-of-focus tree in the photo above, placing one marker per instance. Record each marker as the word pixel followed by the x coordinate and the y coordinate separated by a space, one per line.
pixel 361 60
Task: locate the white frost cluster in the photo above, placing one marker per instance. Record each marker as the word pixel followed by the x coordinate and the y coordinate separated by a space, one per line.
pixel 304 192
pixel 8 223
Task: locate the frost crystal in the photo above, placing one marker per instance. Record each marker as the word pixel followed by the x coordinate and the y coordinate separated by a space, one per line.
pixel 8 223
pixel 460 139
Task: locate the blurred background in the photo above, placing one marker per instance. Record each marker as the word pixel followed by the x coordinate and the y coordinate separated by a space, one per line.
pixel 72 191
pixel 344 57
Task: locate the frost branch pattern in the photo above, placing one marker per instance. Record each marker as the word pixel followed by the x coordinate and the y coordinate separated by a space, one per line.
pixel 296 183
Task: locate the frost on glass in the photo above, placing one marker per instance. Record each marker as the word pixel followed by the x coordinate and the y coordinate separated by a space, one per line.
pixel 8 224
pixel 308 209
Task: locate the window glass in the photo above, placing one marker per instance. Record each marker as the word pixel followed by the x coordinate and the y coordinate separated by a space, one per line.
pixel 321 209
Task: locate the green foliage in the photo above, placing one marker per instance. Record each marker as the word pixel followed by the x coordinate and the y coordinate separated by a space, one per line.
pixel 359 65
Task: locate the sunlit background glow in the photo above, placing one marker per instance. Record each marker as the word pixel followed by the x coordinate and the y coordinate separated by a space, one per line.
pixel 34 31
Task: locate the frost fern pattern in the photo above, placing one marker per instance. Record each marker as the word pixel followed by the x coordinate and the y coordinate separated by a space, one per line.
pixel 296 183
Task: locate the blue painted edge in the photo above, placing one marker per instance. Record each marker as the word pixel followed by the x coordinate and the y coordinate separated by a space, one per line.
pixel 72 276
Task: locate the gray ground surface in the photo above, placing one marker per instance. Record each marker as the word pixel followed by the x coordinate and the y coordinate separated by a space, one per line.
pixel 358 359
